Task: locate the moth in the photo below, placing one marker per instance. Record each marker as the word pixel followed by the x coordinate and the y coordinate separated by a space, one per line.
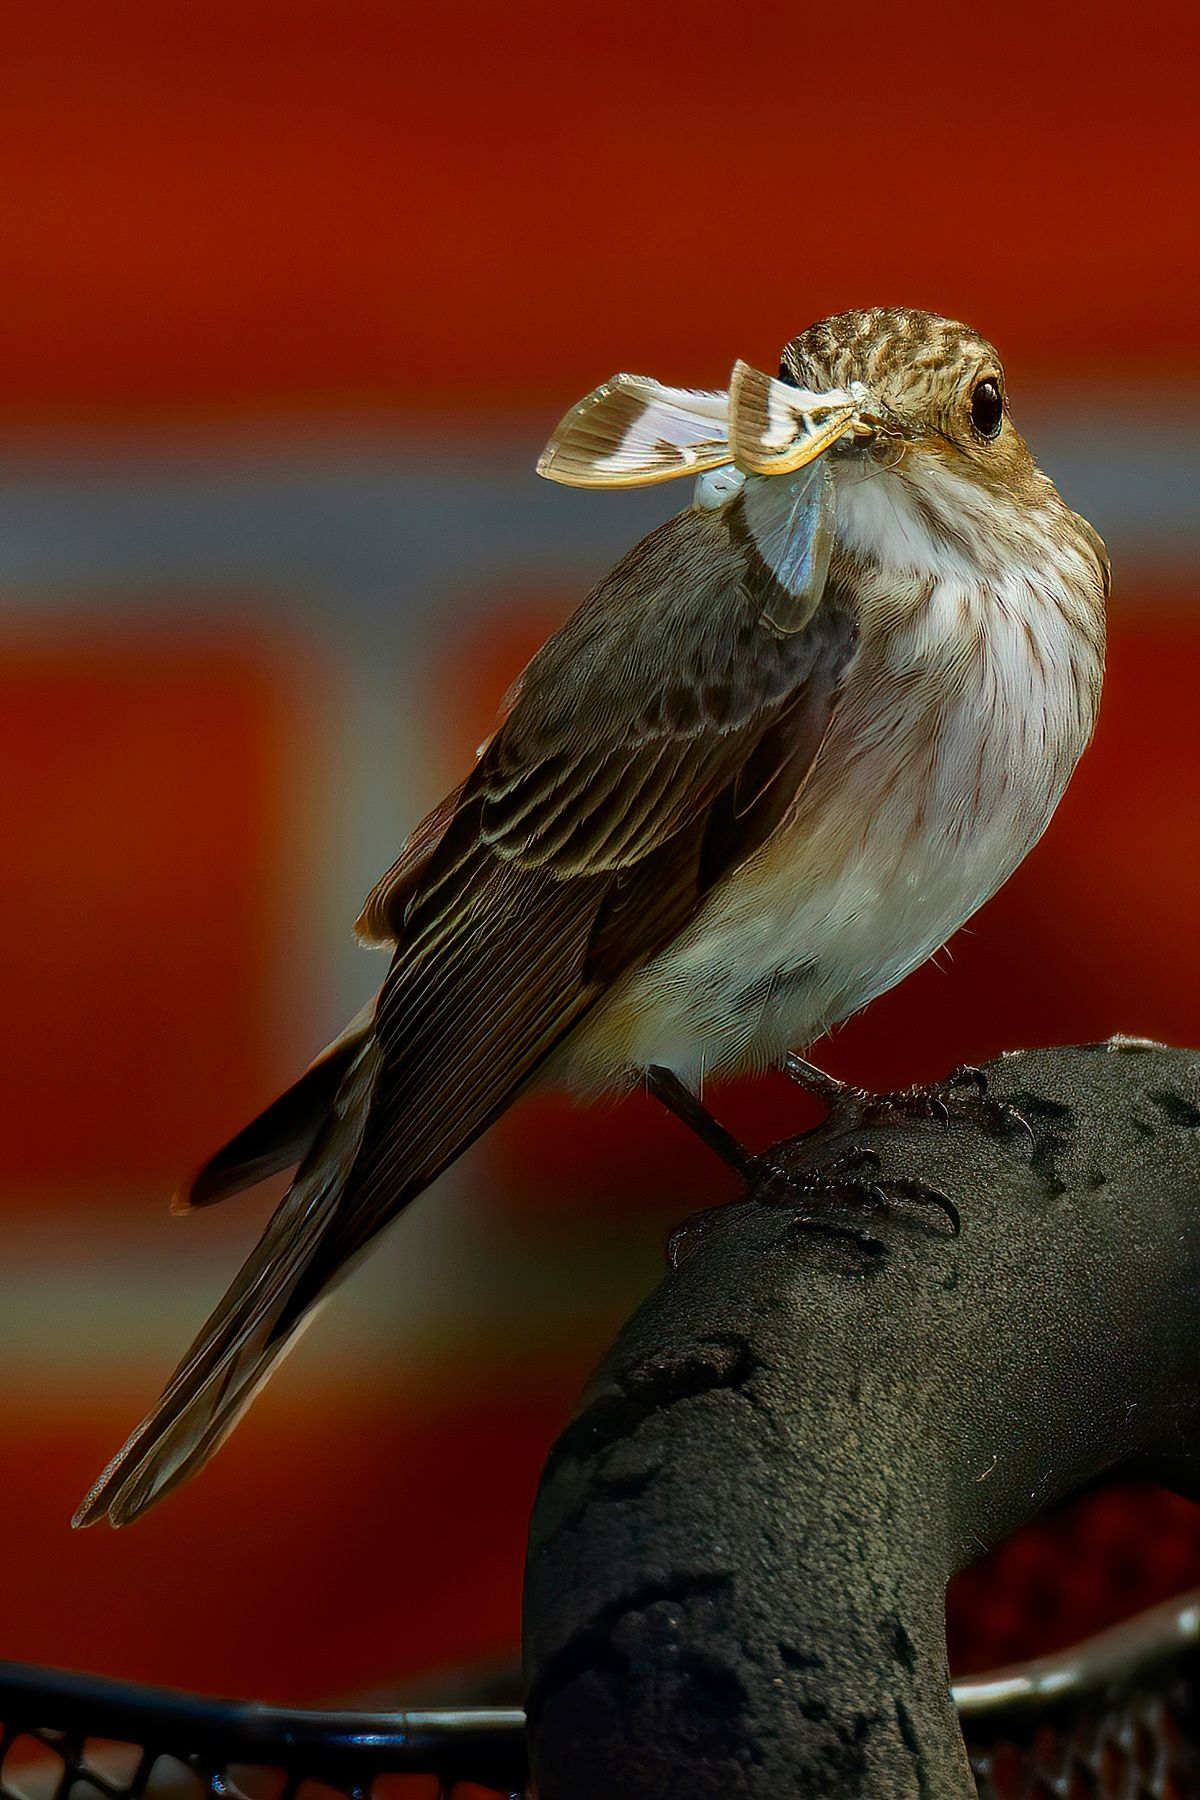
pixel 632 431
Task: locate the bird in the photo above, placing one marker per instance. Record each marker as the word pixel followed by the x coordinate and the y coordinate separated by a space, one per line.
pixel 779 754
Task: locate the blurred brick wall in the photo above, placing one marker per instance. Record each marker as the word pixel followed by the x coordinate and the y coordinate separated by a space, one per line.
pixel 290 296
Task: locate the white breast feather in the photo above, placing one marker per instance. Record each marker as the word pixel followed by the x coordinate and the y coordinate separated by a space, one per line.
pixel 956 735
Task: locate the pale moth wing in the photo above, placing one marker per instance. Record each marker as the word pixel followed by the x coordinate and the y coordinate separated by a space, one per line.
pixel 633 431
pixel 791 521
pixel 775 428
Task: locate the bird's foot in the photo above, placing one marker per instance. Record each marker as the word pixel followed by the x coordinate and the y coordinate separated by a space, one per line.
pixel 962 1096
pixel 832 1199
pixel 849 1184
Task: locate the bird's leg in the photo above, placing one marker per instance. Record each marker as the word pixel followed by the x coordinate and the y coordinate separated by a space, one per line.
pixel 678 1098
pixel 961 1096
pixel 843 1187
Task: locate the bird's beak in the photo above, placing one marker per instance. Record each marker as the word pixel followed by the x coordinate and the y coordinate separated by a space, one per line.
pixel 775 428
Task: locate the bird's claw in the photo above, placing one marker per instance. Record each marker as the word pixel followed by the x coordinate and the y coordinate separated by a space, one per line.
pixel 854 1180
pixel 963 1096
pixel 998 1117
pixel 823 1199
pixel 686 1237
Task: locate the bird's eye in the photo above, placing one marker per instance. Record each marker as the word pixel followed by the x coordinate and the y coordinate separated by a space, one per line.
pixel 785 374
pixel 987 408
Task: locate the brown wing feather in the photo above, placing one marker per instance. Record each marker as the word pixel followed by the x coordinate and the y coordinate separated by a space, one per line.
pixel 391 893
pixel 285 1131
pixel 516 906
pixel 697 723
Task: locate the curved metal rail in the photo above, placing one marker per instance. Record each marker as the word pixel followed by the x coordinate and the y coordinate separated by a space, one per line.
pixel 1123 1708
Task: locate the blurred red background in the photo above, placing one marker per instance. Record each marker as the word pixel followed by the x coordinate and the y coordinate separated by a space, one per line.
pixel 292 294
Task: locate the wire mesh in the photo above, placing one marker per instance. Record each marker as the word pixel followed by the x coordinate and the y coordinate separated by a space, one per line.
pixel 1117 1718
pixel 1143 1748
pixel 1114 1718
pixel 74 1737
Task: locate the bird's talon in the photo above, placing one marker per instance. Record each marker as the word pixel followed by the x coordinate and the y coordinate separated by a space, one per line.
pixel 1010 1119
pixel 964 1095
pixel 905 1187
pixel 967 1075
pixel 857 1235
pixel 685 1237
pixel 851 1180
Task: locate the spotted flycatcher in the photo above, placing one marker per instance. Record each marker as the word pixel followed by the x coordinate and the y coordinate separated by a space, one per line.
pixel 777 757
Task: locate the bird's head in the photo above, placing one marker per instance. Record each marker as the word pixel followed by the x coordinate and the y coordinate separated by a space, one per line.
pixel 926 388
pixel 884 391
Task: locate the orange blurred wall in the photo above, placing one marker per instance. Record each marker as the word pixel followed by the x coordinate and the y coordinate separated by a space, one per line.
pixel 333 253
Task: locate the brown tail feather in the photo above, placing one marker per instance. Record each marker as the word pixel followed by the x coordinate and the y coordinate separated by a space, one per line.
pixel 458 1032
pixel 252 1327
pixel 325 1222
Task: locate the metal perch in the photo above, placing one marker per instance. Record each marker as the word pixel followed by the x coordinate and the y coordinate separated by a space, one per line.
pixel 739 1555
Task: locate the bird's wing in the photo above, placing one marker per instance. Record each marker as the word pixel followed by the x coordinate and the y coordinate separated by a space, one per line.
pixel 392 891
pixel 652 745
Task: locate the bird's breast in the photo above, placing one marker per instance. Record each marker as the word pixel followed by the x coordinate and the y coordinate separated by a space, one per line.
pixel 962 717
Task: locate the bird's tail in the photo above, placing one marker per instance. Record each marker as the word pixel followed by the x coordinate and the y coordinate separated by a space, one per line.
pixel 321 1120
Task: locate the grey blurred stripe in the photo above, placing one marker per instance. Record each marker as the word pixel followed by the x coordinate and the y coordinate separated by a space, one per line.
pixel 384 535
pixel 366 549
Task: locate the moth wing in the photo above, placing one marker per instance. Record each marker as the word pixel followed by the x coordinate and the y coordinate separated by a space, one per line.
pixel 792 523
pixel 633 431
pixel 775 428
